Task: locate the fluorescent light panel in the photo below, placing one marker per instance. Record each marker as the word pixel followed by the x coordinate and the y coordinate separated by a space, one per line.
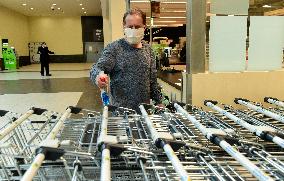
pixel 266 6
pixel 164 2
pixel 170 17
pixel 164 25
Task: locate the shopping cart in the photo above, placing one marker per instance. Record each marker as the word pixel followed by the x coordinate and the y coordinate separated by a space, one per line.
pixel 19 136
pixel 159 144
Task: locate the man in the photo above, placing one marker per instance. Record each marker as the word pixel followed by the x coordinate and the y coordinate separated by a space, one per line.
pixel 183 53
pixel 130 65
pixel 44 59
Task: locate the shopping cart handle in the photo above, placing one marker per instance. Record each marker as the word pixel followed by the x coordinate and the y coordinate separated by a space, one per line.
pixel 266 99
pixel 78 164
pixel 199 153
pixel 216 139
pixel 231 140
pixel 180 103
pixel 281 135
pixel 253 149
pixel 210 101
pixel 240 99
pixel 38 111
pixel 112 108
pixel 74 110
pixel 176 145
pixel 115 149
pixel 3 113
pixel 50 153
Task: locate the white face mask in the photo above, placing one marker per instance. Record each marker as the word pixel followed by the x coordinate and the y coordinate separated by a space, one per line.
pixel 134 36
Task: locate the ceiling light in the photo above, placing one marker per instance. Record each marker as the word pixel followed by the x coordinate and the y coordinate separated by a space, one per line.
pixel 32 8
pixel 53 4
pixel 24 4
pixel 83 8
pixel 58 8
pixel 139 1
pixel 81 4
pixel 166 21
pixel 168 11
pixel 177 17
pixel 171 17
pixel 147 1
pixel 266 6
pixel 85 12
pixel 173 2
pixel 170 25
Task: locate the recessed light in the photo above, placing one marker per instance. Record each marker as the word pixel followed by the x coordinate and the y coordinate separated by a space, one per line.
pixel 32 8
pixel 81 4
pixel 266 6
pixel 85 12
pixel 83 8
pixel 24 4
pixel 54 4
pixel 58 8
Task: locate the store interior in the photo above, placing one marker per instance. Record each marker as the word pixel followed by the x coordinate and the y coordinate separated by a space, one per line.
pixel 166 32
pixel 220 66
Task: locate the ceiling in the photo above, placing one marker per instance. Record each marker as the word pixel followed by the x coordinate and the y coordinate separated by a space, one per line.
pixel 258 7
pixel 62 7
pixel 173 12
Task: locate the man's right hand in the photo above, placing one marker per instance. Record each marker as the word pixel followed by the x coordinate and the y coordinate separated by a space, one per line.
pixel 102 80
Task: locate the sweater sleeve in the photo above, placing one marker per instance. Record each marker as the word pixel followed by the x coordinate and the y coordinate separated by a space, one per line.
pixel 154 91
pixel 105 63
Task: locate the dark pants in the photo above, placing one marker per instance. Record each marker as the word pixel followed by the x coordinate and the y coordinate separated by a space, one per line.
pixel 44 65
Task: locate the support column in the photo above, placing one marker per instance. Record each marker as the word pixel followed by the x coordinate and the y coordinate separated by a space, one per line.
pixel 113 11
pixel 195 44
pixel 127 4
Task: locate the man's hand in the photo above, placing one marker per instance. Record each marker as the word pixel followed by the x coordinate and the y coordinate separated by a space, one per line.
pixel 102 80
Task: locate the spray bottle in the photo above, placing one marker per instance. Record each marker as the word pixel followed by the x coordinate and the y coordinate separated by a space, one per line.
pixel 104 95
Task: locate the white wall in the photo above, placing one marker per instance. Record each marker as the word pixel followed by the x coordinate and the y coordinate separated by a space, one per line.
pixel 225 87
pixel 63 35
pixel 15 27
pixel 227 47
pixel 113 11
pixel 266 43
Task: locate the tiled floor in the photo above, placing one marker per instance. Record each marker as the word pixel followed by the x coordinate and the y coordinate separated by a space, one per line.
pixel 68 85
pixel 36 75
pixel 21 90
pixel 51 101
pixel 58 66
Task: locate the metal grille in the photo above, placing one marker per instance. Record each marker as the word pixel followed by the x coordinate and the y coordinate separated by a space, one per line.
pixel 142 158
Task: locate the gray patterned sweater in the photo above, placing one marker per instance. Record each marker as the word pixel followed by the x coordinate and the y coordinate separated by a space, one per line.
pixel 132 72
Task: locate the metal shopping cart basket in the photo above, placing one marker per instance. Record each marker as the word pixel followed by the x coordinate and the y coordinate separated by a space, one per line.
pixel 119 144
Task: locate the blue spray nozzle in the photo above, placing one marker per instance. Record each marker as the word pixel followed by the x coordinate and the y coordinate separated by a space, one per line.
pixel 105 98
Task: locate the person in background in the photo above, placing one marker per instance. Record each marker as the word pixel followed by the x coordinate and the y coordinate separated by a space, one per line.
pixel 130 65
pixel 44 59
pixel 164 58
pixel 183 53
pixel 172 44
